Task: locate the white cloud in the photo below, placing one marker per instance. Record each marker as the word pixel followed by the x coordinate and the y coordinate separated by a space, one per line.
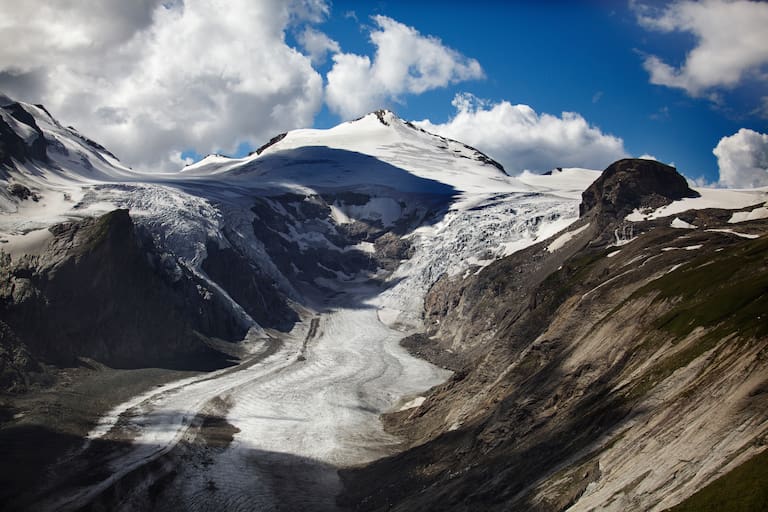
pixel 150 79
pixel 521 139
pixel 743 159
pixel 762 109
pixel 730 42
pixel 405 62
pixel 317 44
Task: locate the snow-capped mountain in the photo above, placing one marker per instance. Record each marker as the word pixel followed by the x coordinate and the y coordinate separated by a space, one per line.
pixel 339 190
pixel 294 272
pixel 438 162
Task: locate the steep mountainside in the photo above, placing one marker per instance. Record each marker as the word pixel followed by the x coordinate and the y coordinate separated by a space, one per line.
pixel 96 291
pixel 593 373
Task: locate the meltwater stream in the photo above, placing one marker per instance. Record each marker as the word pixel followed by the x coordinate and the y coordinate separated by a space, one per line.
pixel 289 422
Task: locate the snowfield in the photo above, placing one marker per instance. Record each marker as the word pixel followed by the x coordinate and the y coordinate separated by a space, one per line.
pixel 728 199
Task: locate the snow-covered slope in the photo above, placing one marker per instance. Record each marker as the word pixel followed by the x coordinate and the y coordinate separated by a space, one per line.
pixel 381 135
pixel 68 156
pixel 726 199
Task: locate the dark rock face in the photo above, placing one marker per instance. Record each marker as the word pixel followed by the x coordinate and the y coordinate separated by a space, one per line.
pixel 302 265
pixel 274 140
pixel 633 183
pixel 305 244
pixel 249 287
pixel 99 291
pixel 17 366
pixel 393 247
pixel 14 147
pixel 21 192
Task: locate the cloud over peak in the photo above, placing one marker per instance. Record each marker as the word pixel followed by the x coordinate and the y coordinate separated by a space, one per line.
pixel 150 79
pixel 522 139
pixel 405 62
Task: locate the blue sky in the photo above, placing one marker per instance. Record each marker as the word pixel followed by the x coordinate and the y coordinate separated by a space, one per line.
pixel 565 56
pixel 535 85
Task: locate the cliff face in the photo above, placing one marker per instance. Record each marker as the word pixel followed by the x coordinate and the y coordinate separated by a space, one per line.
pixel 14 146
pixel 590 376
pixel 99 290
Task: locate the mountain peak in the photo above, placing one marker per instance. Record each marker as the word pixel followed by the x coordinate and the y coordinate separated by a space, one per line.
pixel 383 116
pixel 633 183
pixel 5 100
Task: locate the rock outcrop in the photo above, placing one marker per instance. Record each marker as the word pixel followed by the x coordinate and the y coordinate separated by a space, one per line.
pixel 12 145
pixel 633 183
pixel 98 291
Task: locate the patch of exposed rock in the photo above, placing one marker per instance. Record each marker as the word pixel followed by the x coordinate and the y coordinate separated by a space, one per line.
pixel 17 366
pixel 12 146
pixel 633 183
pixel 99 291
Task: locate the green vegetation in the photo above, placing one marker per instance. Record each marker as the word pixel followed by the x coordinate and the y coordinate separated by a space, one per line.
pixel 726 293
pixel 574 272
pixel 745 489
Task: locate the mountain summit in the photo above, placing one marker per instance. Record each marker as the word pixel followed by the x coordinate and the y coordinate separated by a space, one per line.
pixel 630 184
pixel 332 158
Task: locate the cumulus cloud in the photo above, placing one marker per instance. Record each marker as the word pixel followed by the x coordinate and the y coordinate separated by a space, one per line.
pixel 743 159
pixel 317 44
pixel 151 78
pixel 405 62
pixel 522 139
pixel 730 42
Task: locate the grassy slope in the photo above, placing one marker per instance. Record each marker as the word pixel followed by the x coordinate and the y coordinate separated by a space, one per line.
pixel 745 489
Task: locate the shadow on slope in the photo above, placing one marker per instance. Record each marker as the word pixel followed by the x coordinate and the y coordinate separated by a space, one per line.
pixel 313 207
pixel 184 478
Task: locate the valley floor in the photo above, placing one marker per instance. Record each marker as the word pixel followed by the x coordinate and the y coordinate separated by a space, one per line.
pixel 267 434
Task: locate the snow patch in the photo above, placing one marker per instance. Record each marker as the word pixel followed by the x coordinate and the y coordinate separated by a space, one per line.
pixel 623 235
pixel 681 224
pixel 383 209
pixel 732 232
pixel 565 238
pixel 725 199
pixel 567 182
pixel 756 214
pixel 412 404
pixel 686 248
pixel 33 243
